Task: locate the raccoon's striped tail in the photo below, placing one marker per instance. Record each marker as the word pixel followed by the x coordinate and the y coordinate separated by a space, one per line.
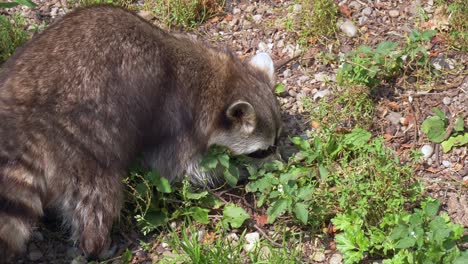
pixel 21 193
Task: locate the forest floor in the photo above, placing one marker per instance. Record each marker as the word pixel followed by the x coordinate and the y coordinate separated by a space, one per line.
pixel 309 71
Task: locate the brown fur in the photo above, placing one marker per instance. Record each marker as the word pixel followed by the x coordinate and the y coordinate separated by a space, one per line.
pixel 81 100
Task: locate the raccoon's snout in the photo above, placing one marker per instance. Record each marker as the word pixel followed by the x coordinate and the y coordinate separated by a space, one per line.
pixel 263 153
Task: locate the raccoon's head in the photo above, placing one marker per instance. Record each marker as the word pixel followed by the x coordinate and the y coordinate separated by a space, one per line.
pixel 250 120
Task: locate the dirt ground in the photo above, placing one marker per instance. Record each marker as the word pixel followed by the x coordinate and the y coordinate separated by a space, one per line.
pixel 251 26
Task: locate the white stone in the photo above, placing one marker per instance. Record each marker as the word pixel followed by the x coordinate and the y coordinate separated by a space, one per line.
pixel 446 163
pixel 236 11
pixel 297 8
pixel 257 18
pixel 318 256
pixel 446 100
pixel 336 258
pixel 394 118
pixel 348 28
pixel 427 151
pixel 321 94
pixel 366 11
pixel 287 73
pixel 393 13
pixel 252 240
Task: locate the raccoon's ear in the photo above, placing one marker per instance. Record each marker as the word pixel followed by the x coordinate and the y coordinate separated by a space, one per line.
pixel 242 114
pixel 264 64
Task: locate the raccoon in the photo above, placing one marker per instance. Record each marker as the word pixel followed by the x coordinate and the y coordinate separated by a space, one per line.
pixel 100 87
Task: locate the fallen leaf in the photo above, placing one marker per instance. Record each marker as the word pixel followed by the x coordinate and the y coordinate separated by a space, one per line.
pixel 261 219
pixel 388 137
pixel 209 238
pixel 432 170
pixel 393 106
pixel 228 17
pixel 214 20
pixel 344 9
pixel 438 39
pixel 315 124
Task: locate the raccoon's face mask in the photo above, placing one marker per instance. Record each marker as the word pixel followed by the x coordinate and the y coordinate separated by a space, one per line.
pixel 253 119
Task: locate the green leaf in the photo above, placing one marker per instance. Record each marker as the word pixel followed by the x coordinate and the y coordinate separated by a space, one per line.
pixel 459 125
pixel 462 259
pixel 434 128
pixel 161 183
pixel 406 242
pixel 27 3
pixel 234 216
pixel 231 175
pixel 8 4
pixel 454 141
pixel 386 47
pixel 428 34
pixel 211 201
pixel 279 88
pixel 357 137
pixel 195 196
pixel 199 214
pixel 440 114
pixel 301 212
pixel 323 172
pixel 156 218
pixel 224 160
pixel 305 193
pixel 276 209
pixel 127 256
pixel 431 207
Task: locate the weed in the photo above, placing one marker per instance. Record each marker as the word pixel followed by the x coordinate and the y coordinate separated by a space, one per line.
pixel 14 3
pixel 369 67
pixel 317 20
pixel 435 129
pixel 12 35
pixel 456 11
pixel 123 3
pixel 183 13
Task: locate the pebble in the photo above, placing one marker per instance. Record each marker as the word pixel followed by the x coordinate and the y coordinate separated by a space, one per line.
pixel 145 14
pixel 321 77
pixel 250 9
pixel 257 18
pixel 465 179
pixel 348 28
pixel 321 94
pixel 446 163
pixel 287 73
pixel 394 13
pixel 318 256
pixel 292 93
pixel 164 245
pixel 297 8
pixel 446 100
pixel 441 63
pixel 362 20
pixel 355 5
pixel 427 151
pixel 252 240
pixel 366 11
pixel 262 46
pixel 336 259
pixel 236 11
pixel 394 118
pixel 232 237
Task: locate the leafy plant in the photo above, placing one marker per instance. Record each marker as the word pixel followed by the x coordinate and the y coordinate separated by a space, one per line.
pixel 421 237
pixel 317 20
pixel 14 3
pixel 12 35
pixel 435 129
pixel 183 13
pixel 155 202
pixel 340 173
pixel 369 67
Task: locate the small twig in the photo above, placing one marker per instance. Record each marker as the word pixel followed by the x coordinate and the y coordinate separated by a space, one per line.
pixel 274 243
pixel 280 64
pixel 436 153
